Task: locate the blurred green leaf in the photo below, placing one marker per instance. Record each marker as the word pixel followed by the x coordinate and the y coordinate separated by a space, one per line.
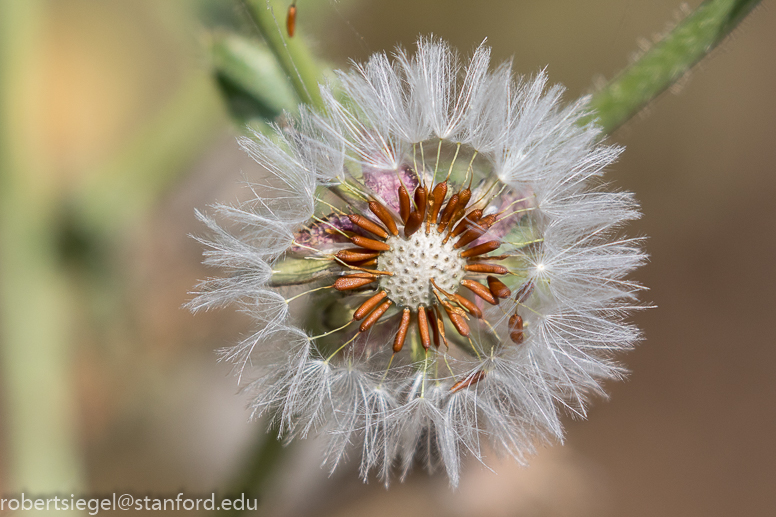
pixel 251 80
pixel 683 47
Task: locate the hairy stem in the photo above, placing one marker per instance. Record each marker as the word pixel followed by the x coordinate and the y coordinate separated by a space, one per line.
pixel 668 60
pixel 292 53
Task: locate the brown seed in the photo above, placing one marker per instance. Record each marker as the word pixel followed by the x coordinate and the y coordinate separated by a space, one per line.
pixel 486 268
pixel 471 218
pixel 516 333
pixel 425 339
pixel 370 244
pixel 349 282
pixel 448 212
pixel 481 249
pixel 469 381
pixel 291 20
pixel 459 322
pixel 437 198
pixel 492 257
pixel 401 335
pixel 421 201
pixel 524 292
pixel 480 290
pixel 498 288
pixel 404 204
pixel 475 232
pixel 365 224
pixel 374 316
pixel 464 197
pixel 352 255
pixel 441 327
pixel 384 215
pixel 368 305
pixel 468 305
pixel 364 263
pixel 414 222
pixel 432 323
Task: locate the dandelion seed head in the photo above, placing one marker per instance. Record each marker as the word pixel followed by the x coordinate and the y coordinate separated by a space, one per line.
pixel 431 266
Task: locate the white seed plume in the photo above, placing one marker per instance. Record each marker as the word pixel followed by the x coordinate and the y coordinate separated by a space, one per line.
pixel 417 345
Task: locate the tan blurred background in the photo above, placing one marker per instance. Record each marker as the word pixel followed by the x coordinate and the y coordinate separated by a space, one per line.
pixel 96 92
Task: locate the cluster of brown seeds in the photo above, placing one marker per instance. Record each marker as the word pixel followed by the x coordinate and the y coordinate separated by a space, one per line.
pixel 450 220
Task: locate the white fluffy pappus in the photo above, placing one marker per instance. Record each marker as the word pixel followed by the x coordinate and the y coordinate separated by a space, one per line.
pixel 505 182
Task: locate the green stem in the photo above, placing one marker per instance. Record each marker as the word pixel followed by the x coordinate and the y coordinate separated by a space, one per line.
pixel 36 304
pixel 292 53
pixel 668 60
pixel 261 463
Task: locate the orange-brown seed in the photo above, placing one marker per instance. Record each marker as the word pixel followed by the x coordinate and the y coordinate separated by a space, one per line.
pixel 432 323
pixel 469 381
pixel 459 322
pixel 404 204
pixel 414 222
pixel 421 200
pixel 476 231
pixel 352 255
pixel 365 224
pixel 498 288
pixel 401 335
pixel 368 305
pixel 374 316
pixel 384 215
pixel 471 218
pixel 291 20
pixel 524 292
pixel 463 199
pixel 370 244
pixel 468 305
pixel 448 212
pixel 441 327
pixel 486 268
pixel 516 333
pixel 425 339
pixel 437 198
pixel 481 249
pixel 480 290
pixel 349 282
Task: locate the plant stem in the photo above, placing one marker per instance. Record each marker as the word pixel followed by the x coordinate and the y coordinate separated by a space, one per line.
pixel 36 305
pixel 292 53
pixel 668 60
pixel 260 465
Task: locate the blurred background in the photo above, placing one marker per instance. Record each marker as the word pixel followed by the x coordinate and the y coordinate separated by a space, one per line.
pixel 112 132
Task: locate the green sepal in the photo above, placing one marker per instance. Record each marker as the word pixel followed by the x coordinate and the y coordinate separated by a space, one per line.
pixel 296 271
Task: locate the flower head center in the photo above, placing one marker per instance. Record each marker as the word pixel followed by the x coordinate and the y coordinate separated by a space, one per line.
pixel 414 262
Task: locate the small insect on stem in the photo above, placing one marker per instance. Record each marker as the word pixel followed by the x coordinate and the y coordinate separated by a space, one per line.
pixel 291 20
